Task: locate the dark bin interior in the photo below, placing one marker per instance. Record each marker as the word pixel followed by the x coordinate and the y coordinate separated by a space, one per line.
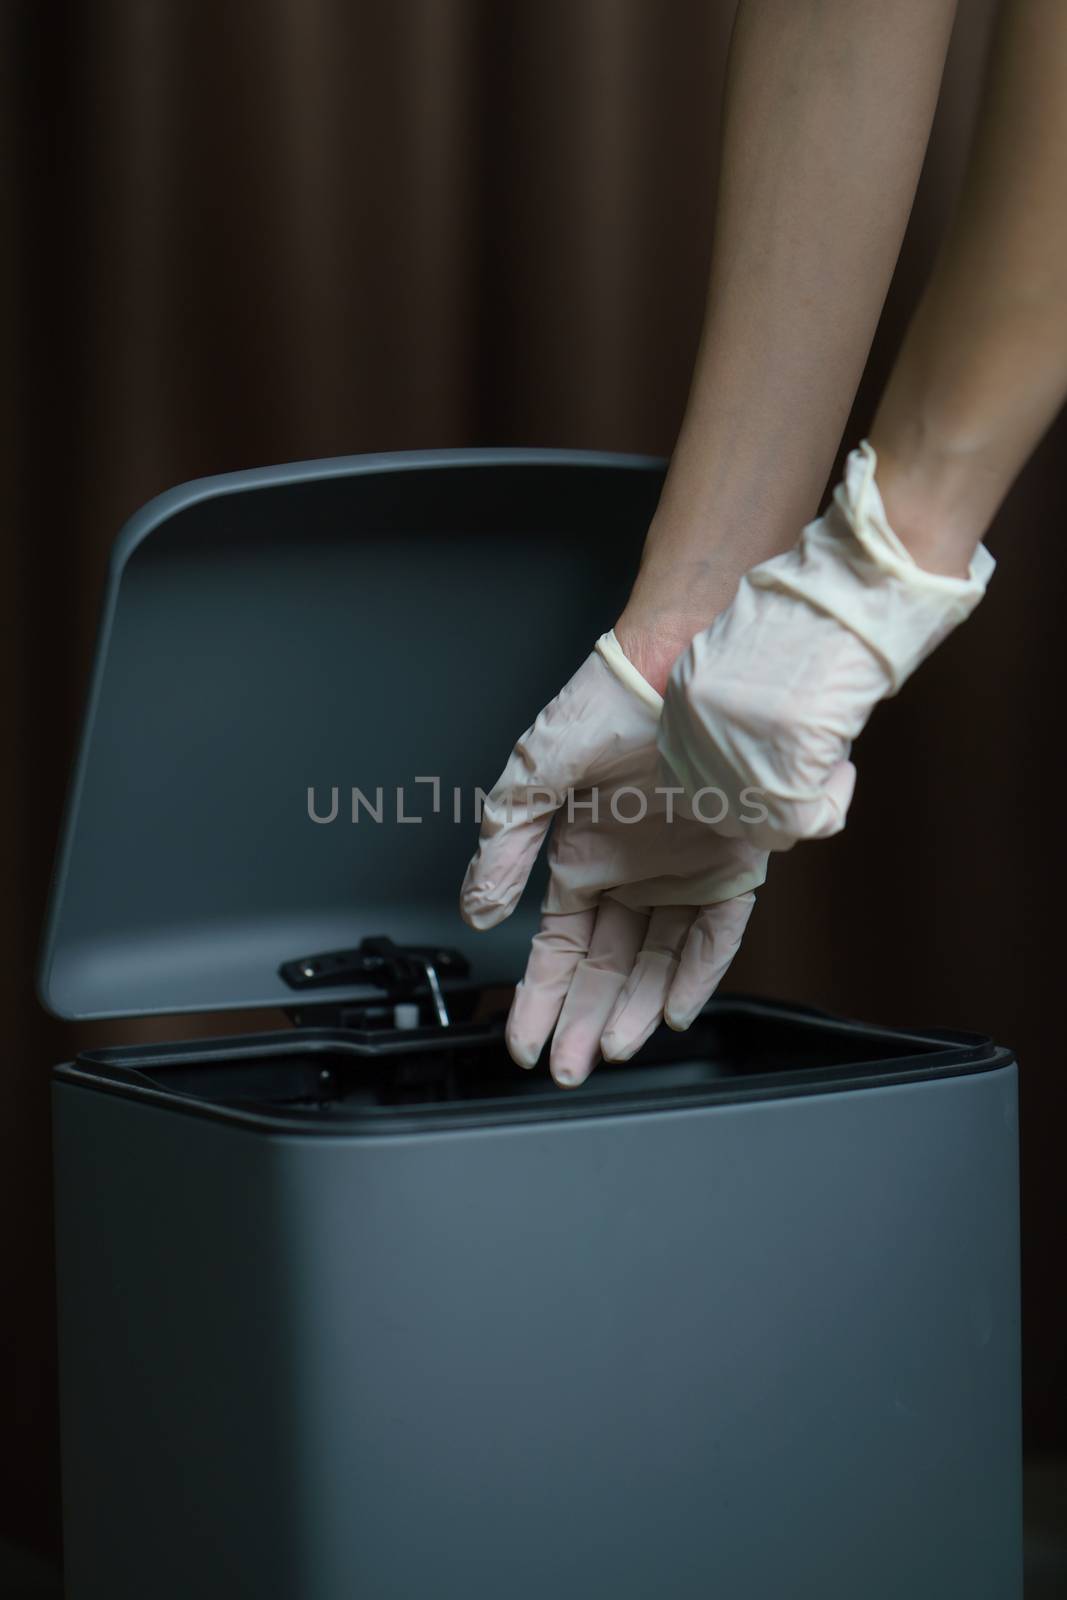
pixel 324 1077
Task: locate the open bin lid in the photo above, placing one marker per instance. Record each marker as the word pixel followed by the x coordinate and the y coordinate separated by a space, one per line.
pixel 366 623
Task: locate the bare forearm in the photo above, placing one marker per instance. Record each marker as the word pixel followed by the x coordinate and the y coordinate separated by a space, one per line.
pixel 827 115
pixel 983 369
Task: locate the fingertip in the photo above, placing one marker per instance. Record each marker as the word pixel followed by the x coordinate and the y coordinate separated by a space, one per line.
pixel 523 1050
pixel 610 1042
pixel 524 1056
pixel 619 1042
pixel 695 994
pixel 488 895
pixel 614 1048
pixel 482 914
pixel 573 1059
pixel 622 1044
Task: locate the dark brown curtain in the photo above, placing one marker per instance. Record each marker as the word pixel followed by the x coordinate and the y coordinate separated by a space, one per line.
pixel 245 231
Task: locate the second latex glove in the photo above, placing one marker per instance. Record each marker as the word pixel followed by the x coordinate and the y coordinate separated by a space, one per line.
pixel 646 905
pixel 763 707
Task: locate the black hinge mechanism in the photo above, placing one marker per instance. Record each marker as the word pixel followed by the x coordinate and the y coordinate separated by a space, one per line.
pixel 401 970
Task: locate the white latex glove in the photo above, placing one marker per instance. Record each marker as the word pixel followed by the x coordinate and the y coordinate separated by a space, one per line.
pixel 763 706
pixel 642 917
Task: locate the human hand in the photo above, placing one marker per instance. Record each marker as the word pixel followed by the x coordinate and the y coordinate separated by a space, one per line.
pixel 646 904
pixel 764 705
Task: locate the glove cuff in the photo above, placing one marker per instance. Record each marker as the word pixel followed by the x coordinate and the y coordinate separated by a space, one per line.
pixel 614 656
pixel 851 565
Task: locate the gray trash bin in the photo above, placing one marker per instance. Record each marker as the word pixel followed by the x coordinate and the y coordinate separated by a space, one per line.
pixel 358 1311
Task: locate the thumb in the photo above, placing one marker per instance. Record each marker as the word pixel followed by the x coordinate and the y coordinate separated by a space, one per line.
pixel 516 817
pixel 556 754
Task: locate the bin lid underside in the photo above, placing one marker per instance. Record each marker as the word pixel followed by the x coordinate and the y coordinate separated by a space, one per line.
pixel 273 641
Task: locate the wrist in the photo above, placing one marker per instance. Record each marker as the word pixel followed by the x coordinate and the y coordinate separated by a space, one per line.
pixel 936 493
pixel 654 639
pixel 672 600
